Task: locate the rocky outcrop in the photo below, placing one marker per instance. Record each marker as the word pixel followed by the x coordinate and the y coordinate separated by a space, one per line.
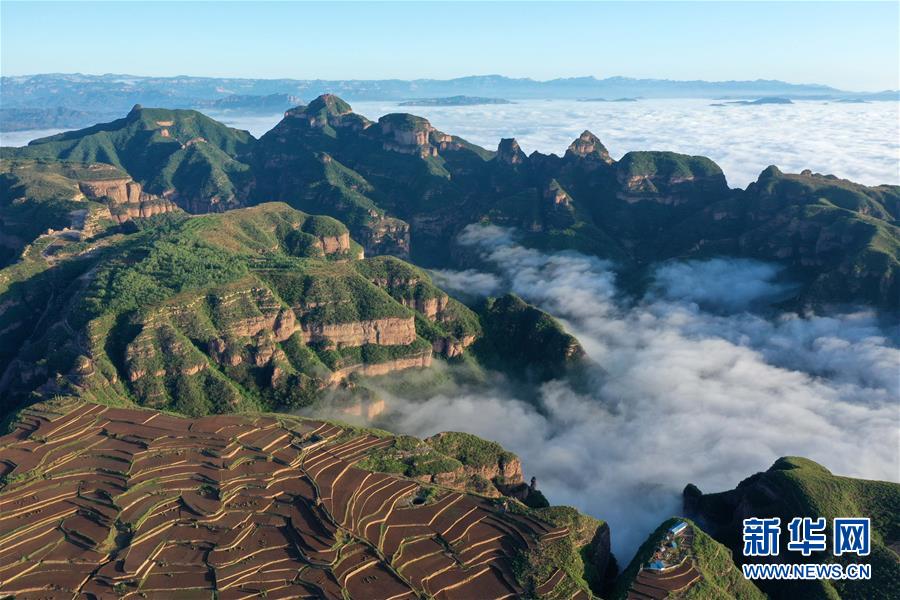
pixel 334 244
pixel 430 307
pixel 407 134
pixel 588 146
pixel 509 152
pixel 449 347
pixel 328 110
pixel 669 179
pixel 385 235
pixel 125 198
pixel 421 361
pixel 392 331
pixel 444 141
pixel 556 196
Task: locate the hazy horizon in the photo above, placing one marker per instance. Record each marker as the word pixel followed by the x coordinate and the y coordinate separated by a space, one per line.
pixel 822 42
pixel 423 78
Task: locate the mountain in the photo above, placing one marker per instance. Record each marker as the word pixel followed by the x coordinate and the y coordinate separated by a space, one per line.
pixel 248 103
pixel 404 188
pixel 255 308
pixel 795 487
pixel 142 503
pixel 24 119
pixel 66 199
pixel 119 92
pixel 141 345
pixel 694 566
pixel 522 338
pixel 181 154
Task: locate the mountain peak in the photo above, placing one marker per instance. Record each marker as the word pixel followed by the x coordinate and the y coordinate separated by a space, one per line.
pixel 588 144
pixel 331 104
pixel 330 110
pixel 508 151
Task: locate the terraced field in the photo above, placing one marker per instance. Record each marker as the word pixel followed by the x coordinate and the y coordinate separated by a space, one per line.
pixel 103 502
pixel 656 585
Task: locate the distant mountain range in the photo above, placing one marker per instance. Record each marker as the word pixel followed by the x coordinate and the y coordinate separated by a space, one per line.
pixel 120 92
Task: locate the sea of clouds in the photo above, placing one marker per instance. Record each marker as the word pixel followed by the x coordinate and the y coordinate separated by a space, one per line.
pixel 691 383
pixel 860 142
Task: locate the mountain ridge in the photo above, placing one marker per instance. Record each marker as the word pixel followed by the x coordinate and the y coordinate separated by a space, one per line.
pixel 405 188
pixel 118 91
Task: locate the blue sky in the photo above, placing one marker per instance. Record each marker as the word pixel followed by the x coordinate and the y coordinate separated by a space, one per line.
pixel 847 45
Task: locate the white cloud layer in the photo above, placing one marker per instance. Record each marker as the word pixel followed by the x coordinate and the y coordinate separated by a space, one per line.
pixel 679 392
pixel 860 142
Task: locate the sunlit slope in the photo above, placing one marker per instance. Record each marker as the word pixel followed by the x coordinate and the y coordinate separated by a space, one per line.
pixel 798 487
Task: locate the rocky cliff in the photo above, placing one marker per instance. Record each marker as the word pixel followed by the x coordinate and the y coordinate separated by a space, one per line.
pixel 263 306
pixel 125 198
pixel 589 146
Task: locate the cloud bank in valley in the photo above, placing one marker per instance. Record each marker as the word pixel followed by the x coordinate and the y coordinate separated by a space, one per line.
pixel 854 141
pixel 686 386
pixel 860 142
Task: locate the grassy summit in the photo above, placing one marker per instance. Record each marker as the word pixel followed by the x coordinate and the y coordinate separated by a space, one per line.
pixel 799 487
pixel 166 150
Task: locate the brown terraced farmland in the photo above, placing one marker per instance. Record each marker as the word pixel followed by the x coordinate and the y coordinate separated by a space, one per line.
pixel 103 502
pixel 668 579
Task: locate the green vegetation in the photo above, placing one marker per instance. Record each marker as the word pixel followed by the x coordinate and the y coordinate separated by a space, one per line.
pixel 162 149
pixel 203 314
pixel 524 339
pixel 470 450
pixel 645 208
pixel 720 578
pixel 572 553
pixel 798 487
pixel 667 165
pixel 37 195
pixel 409 457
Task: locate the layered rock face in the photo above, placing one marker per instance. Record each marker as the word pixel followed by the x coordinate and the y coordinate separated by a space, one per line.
pixel 382 332
pixel 407 134
pixel 421 360
pixel 386 235
pixel 258 307
pixel 181 155
pixel 126 198
pixel 646 207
